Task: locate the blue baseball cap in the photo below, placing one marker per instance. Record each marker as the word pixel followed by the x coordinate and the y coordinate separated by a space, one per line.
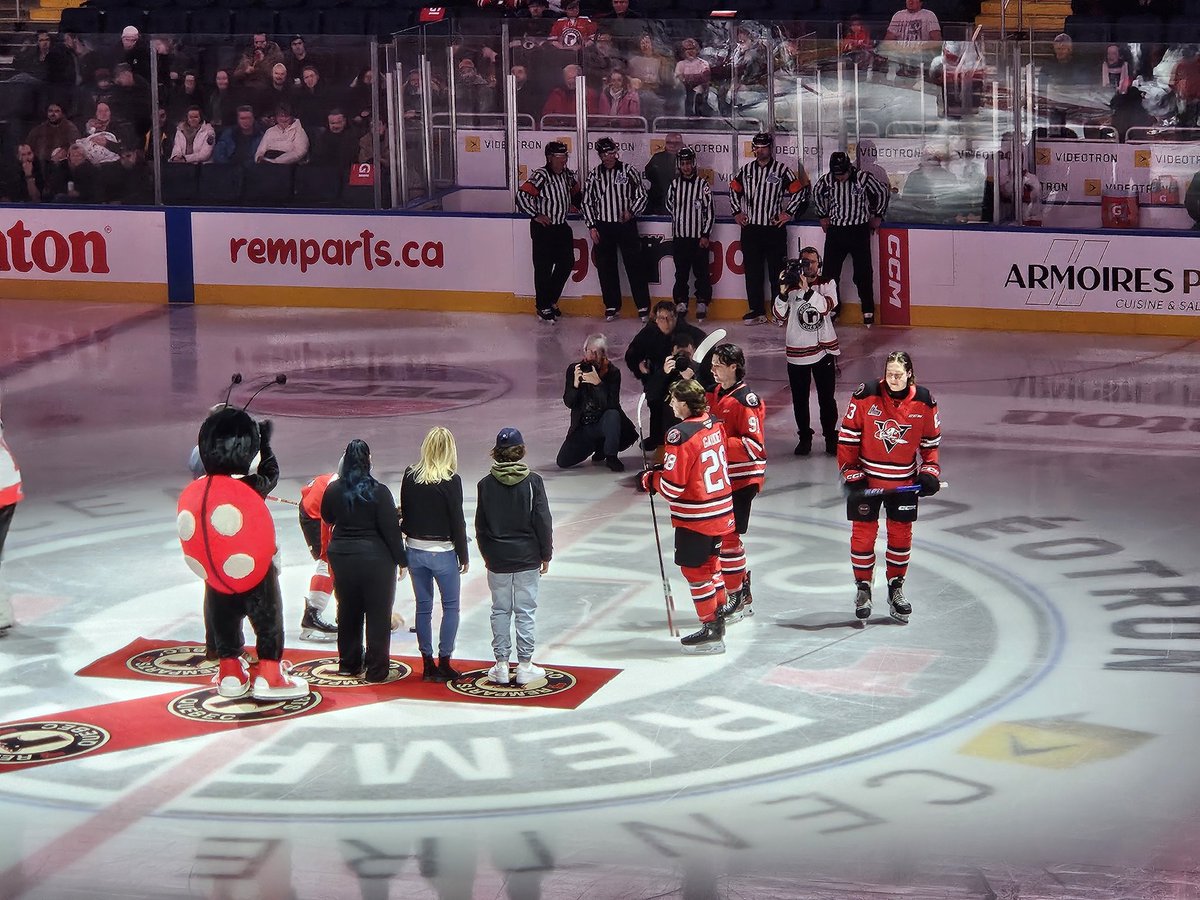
pixel 508 437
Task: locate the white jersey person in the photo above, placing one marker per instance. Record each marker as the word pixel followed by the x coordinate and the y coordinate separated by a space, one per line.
pixel 10 496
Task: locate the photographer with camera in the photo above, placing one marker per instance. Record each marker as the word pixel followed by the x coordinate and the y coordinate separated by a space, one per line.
pixel 805 304
pixel 599 426
pixel 646 355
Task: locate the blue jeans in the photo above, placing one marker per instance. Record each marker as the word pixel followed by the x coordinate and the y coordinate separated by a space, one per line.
pixel 425 567
pixel 514 596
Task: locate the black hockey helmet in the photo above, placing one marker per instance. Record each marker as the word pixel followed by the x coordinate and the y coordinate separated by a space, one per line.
pixel 606 145
pixel 763 139
pixel 686 154
pixel 556 148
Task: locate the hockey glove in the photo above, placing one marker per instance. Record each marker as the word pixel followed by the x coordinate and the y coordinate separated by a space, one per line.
pixel 646 481
pixel 929 484
pixel 856 479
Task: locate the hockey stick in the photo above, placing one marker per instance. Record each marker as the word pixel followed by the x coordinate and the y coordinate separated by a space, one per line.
pixel 670 600
pixel 883 492
pixel 707 344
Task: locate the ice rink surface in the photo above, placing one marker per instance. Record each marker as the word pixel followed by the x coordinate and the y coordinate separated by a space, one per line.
pixel 1031 733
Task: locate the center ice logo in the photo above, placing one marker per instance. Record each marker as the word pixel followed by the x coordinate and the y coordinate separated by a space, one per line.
pixel 891 433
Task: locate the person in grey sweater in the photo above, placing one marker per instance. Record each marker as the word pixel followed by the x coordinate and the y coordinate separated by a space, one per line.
pixel 515 535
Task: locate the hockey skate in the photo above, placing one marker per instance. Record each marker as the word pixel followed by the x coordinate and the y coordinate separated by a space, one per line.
pixel 900 607
pixel 232 678
pixel 275 681
pixel 862 601
pixel 709 639
pixel 737 607
pixel 314 628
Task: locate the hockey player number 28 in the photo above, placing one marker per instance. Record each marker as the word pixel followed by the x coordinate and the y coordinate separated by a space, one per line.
pixel 714 474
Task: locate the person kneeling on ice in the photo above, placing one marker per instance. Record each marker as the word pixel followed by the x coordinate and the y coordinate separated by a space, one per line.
pixel 515 535
pixel 694 477
pixel 229 541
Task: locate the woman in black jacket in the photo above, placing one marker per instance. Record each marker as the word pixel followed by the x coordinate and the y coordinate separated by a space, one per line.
pixel 435 531
pixel 364 553
pixel 599 427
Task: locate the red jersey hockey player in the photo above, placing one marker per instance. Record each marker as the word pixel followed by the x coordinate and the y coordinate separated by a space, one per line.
pixel 888 425
pixel 742 414
pixel 320 585
pixel 695 480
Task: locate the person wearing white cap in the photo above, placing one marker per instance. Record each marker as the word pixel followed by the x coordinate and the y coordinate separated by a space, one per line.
pixel 134 52
pixel 515 535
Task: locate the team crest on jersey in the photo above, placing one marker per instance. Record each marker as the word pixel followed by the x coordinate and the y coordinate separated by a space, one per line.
pixel 808 317
pixel 752 398
pixel 891 433
pixel 673 436
pixel 571 37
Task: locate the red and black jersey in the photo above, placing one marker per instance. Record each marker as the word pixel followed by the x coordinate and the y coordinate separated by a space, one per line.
pixel 316 531
pixel 695 477
pixel 882 437
pixel 743 415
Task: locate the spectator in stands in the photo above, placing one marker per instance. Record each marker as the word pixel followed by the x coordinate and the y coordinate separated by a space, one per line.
pixel 134 183
pixel 166 137
pixel 410 94
pixel 186 94
pixel 1114 70
pixel 1064 69
pixel 56 133
pixel 100 88
pixel 660 172
pixel 602 56
pixel 617 99
pixel 223 101
pixel 1128 110
pixel 336 145
pixel 253 69
pixel 23 180
pixel 472 92
pixel 358 97
pixel 239 142
pixel 83 59
pixel 366 149
pixel 625 25
pixel 74 179
pixel 913 35
pixel 1185 82
pixel 173 62
pixel 194 139
pixel 312 100
pixel 748 66
pixel 530 28
pixel 130 98
pixel 652 67
pixel 572 31
pixel 285 142
pixel 278 91
pixel 694 74
pixel 528 102
pixel 134 52
pixel 561 101
pixel 858 47
pixel 298 57
pixel 47 63
pixel 106 134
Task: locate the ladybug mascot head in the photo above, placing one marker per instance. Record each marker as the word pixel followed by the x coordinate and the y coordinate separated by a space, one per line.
pixel 229 441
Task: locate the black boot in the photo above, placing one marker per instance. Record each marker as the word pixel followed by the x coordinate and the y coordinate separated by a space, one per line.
pixel 431 669
pixel 804 447
pixel 445 670
pixel 831 445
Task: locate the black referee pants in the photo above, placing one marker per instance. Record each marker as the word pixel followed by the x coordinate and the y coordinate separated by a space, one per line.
pixel 690 260
pixel 622 236
pixel 553 259
pixel 823 373
pixel 853 241
pixel 764 248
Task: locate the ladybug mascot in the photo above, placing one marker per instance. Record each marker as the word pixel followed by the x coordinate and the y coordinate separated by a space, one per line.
pixel 229 541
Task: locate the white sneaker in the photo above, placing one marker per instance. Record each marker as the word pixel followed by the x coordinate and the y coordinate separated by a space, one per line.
pixel 499 673
pixel 527 672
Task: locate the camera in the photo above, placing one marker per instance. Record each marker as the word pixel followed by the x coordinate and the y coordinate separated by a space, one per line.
pixel 683 361
pixel 793 272
pixel 585 367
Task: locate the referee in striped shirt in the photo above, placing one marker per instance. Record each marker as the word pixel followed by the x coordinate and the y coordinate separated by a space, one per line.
pixel 765 196
pixel 546 197
pixel 690 205
pixel 614 197
pixel 850 203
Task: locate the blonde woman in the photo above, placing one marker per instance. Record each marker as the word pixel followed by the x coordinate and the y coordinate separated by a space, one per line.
pixel 435 531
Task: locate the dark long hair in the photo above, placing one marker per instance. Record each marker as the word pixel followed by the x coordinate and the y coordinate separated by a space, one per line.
pixel 356 471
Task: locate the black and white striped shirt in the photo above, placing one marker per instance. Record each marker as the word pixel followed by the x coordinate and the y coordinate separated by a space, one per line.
pixel 851 202
pixel 545 194
pixel 763 192
pixel 610 193
pixel 690 205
